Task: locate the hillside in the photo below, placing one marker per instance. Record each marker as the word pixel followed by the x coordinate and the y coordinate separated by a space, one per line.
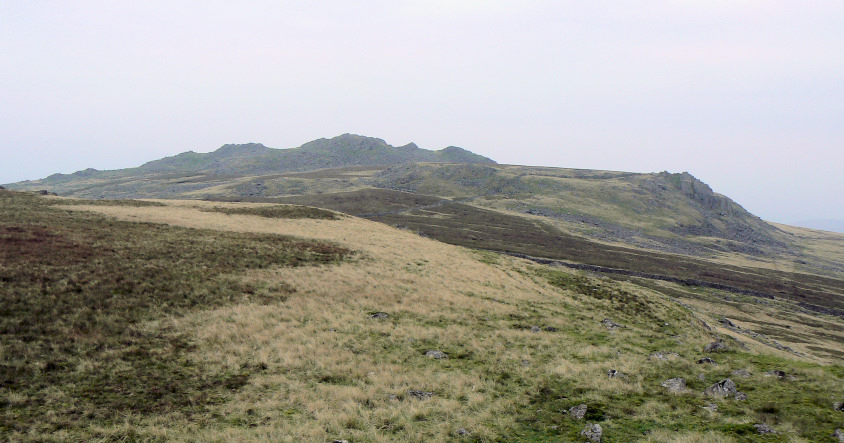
pixel 287 323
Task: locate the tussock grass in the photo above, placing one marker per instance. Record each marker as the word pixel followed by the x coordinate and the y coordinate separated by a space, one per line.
pixel 313 365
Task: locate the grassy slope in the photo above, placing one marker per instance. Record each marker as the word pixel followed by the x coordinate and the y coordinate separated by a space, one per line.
pixel 306 361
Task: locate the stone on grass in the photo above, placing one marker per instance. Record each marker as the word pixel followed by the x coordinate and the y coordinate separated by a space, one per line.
pixel 675 385
pixel 741 373
pixel 420 395
pixel 380 316
pixel 340 441
pixel 741 396
pixel 593 432
pixel 705 360
pixel 612 373
pixel 610 324
pixel 838 406
pixel 726 322
pixel 839 434
pixel 775 373
pixel 762 429
pixel 724 388
pixel 578 412
pixel 711 407
pixel 433 353
pixel 535 329
pixel 664 356
pixel 462 431
pixel 715 346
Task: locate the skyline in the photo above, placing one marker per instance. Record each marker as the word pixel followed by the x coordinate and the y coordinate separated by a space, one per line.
pixel 747 97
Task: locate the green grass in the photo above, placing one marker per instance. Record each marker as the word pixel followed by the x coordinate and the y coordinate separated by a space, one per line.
pixel 78 291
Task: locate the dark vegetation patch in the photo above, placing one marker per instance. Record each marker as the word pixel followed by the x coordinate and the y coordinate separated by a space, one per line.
pixel 74 290
pixel 279 211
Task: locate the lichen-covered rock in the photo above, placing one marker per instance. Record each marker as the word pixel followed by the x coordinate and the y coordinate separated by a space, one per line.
pixel 675 385
pixel 763 429
pixel 433 353
pixel 578 412
pixel 593 432
pixel 715 346
pixel 839 434
pixel 379 316
pixel 741 373
pixel 724 388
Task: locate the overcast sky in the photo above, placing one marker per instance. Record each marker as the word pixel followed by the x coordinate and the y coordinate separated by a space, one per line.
pixel 746 95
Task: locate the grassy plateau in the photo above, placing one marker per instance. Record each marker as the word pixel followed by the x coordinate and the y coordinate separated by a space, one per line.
pixel 218 321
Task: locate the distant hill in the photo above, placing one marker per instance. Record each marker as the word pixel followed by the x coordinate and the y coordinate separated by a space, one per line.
pixel 256 159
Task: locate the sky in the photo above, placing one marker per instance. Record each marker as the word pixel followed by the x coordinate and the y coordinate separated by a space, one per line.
pixel 748 96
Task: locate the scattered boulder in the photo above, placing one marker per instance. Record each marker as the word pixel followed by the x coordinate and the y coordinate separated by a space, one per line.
pixel 535 329
pixel 763 429
pixel 741 373
pixel 706 360
pixel 775 373
pixel 663 356
pixel 726 322
pixel 610 324
pixel 741 396
pixel 593 432
pixel 839 434
pixel 379 316
pixel 578 412
pixel 724 388
pixel 715 346
pixel 420 395
pixel 433 353
pixel 675 385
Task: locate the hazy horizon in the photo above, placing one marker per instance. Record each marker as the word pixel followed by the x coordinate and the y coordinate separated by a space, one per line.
pixel 748 97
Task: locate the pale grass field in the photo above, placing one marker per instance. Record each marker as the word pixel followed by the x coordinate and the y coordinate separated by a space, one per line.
pixel 333 372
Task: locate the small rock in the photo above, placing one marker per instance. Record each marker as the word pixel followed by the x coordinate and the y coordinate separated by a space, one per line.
pixel 664 356
pixel 726 322
pixel 838 406
pixel 340 441
pixel 436 354
pixel 775 373
pixel 706 360
pixel 715 346
pixel 461 431
pixel 741 396
pixel 332 330
pixel 420 395
pixel 741 373
pixel 675 385
pixel 392 397
pixel 555 427
pixel 762 429
pixel 724 388
pixel 612 373
pixel 578 412
pixel 379 316
pixel 839 434
pixel 535 329
pixel 551 329
pixel 593 432
pixel 610 324
pixel 701 377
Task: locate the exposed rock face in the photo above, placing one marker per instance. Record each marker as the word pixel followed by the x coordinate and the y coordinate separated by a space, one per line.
pixel 593 432
pixel 724 388
pixel 675 385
